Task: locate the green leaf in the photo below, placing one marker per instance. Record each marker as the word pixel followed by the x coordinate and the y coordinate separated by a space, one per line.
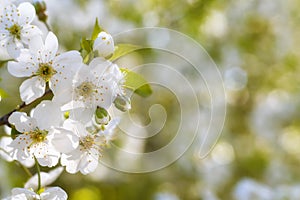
pixel 86 50
pixel 144 91
pixel 86 45
pixel 3 94
pixel 97 30
pixel 137 83
pixel 123 49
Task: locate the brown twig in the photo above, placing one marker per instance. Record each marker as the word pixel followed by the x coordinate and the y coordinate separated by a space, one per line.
pixel 4 118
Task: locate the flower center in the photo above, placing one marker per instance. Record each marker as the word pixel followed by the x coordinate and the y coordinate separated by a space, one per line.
pixel 46 71
pixel 38 135
pixel 85 89
pixel 15 30
pixel 87 142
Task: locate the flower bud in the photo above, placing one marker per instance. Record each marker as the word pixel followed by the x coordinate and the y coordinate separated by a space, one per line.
pixel 40 9
pixel 104 44
pixel 102 116
pixel 122 103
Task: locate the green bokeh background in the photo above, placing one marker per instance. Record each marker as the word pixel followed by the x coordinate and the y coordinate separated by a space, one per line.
pixel 261 137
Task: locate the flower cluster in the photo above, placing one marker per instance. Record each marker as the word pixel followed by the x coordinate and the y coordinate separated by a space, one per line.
pixel 75 125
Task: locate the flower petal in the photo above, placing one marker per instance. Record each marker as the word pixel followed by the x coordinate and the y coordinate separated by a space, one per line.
pixel 9 14
pixel 51 44
pixel 104 44
pixel 89 161
pixel 21 69
pixel 70 60
pixel 45 154
pixel 62 95
pixel 5 149
pixel 13 48
pixel 21 193
pixel 27 13
pixel 19 147
pixel 106 95
pixel 29 162
pixel 83 115
pixel 46 178
pixel 54 193
pixel 48 114
pixel 61 83
pixel 31 89
pixel 28 32
pixel 67 64
pixel 71 161
pixel 53 175
pixel 64 140
pixel 36 43
pixel 76 127
pixel 22 122
pixel 99 66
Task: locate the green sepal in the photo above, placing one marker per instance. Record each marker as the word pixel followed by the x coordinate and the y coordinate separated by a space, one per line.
pixel 86 50
pixel 14 133
pixel 122 50
pixel 102 117
pixel 101 113
pixel 97 30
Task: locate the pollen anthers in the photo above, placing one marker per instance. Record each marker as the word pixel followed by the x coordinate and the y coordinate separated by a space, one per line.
pixel 91 144
pixel 37 135
pixel 12 27
pixel 86 89
pixel 46 71
pixel 15 31
pixel 87 142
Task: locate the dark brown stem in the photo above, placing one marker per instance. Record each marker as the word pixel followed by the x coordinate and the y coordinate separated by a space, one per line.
pixel 47 26
pixel 4 118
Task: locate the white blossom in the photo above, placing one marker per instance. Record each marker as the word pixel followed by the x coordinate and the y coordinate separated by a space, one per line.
pixel 4 3
pixel 96 85
pixel 51 193
pixel 104 44
pixel 85 157
pixel 15 27
pixel 37 133
pixel 5 150
pixel 108 133
pixel 43 65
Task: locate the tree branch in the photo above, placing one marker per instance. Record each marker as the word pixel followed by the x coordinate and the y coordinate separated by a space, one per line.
pixel 4 118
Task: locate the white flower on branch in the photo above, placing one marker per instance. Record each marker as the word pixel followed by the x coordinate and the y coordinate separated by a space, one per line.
pixel 5 149
pixel 15 27
pixel 96 85
pixel 43 65
pixel 50 193
pixel 85 157
pixel 37 133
